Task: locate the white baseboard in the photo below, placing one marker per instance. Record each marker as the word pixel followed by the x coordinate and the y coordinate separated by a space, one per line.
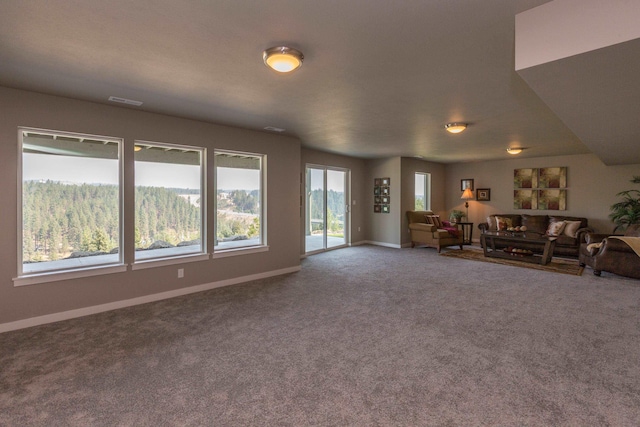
pixel 385 244
pixel 87 311
pixel 361 242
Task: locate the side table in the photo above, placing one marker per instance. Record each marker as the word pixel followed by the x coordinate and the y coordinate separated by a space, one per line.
pixel 467 232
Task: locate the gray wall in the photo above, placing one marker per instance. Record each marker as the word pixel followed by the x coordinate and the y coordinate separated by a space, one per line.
pixel 21 108
pixel 359 213
pixel 592 187
pixel 385 227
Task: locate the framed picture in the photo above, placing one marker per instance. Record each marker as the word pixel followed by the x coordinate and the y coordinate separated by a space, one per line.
pixel 525 178
pixel 385 209
pixel 377 208
pixel 552 177
pixel 377 190
pixel 553 200
pixel 386 200
pixel 386 181
pixel 385 191
pixel 377 200
pixel 466 183
pixel 525 199
pixel 483 194
pixel 377 182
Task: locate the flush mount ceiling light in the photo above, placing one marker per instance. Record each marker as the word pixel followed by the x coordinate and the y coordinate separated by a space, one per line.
pixel 514 150
pixel 455 127
pixel 282 59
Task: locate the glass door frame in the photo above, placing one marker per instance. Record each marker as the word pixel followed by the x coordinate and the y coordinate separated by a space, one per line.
pixel 307 213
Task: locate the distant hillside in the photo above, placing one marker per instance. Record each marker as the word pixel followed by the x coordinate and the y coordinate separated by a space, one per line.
pixel 62 218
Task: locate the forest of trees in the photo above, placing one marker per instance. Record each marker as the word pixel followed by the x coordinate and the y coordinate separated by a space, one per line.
pixel 59 219
pixel 335 208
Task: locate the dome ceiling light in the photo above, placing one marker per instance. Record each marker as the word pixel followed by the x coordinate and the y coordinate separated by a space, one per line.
pixel 455 127
pixel 283 59
pixel 514 150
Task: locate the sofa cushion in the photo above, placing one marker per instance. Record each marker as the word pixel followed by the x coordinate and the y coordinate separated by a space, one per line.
pixel 583 221
pixel 555 228
pixel 493 225
pixel 421 226
pixel 535 223
pixel 502 222
pixel 564 240
pixel 571 227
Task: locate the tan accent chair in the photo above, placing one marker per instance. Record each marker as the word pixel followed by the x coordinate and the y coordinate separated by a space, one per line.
pixel 428 234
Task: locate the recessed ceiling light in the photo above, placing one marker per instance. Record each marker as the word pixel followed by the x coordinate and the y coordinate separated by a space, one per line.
pixel 125 101
pixel 455 127
pixel 274 129
pixel 282 59
pixel 515 150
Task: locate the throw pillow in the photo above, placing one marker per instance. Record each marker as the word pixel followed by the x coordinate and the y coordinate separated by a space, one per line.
pixel 503 223
pixel 434 220
pixel 571 227
pixel 555 228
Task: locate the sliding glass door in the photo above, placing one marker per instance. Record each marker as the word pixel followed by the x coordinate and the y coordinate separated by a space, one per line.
pixel 327 208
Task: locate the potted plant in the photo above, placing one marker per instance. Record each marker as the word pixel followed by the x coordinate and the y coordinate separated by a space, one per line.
pixel 627 211
pixel 456 215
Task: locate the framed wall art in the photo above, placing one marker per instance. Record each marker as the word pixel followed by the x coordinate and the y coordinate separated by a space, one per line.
pixel 525 178
pixel 381 195
pixel 525 199
pixel 466 183
pixel 540 188
pixel 483 194
pixel 552 177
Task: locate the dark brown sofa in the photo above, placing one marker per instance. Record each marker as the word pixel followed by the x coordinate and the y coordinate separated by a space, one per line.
pixel 611 254
pixel 538 224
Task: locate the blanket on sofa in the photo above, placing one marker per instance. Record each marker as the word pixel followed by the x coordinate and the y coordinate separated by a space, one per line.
pixel 633 242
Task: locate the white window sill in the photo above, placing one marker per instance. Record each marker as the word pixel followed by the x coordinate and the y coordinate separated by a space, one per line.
pixel 56 276
pixel 160 262
pixel 224 253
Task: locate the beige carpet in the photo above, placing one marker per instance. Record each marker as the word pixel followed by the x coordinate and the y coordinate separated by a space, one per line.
pixel 364 336
pixel 557 265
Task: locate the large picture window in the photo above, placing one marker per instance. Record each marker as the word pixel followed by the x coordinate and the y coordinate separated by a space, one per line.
pixel 240 200
pixel 169 200
pixel 70 201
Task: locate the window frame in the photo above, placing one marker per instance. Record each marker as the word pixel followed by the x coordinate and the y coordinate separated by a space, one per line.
pixel 176 259
pixel 263 246
pixel 65 273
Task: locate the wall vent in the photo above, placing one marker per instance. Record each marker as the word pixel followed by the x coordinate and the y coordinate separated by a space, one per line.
pixel 125 101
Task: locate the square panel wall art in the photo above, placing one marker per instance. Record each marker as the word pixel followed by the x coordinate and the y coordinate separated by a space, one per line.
pixel 382 195
pixel 540 188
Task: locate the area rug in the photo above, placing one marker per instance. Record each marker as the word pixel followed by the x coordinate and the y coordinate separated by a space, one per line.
pixel 557 265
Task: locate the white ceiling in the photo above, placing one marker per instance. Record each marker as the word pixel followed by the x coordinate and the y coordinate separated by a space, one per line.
pixel 380 78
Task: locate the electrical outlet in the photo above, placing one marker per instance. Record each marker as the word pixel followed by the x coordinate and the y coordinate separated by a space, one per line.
pixel 180 273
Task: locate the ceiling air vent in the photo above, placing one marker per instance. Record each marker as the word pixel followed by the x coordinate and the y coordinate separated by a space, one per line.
pixel 274 129
pixel 125 101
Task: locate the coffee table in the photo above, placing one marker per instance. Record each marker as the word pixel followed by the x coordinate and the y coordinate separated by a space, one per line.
pixel 518 241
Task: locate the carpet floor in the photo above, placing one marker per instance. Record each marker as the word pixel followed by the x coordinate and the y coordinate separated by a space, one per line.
pixel 363 336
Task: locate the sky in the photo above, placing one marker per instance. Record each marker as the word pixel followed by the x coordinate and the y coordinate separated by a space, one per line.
pixel 88 170
pixel 335 179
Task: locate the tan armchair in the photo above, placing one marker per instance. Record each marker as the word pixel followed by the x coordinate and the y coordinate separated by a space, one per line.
pixel 428 234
